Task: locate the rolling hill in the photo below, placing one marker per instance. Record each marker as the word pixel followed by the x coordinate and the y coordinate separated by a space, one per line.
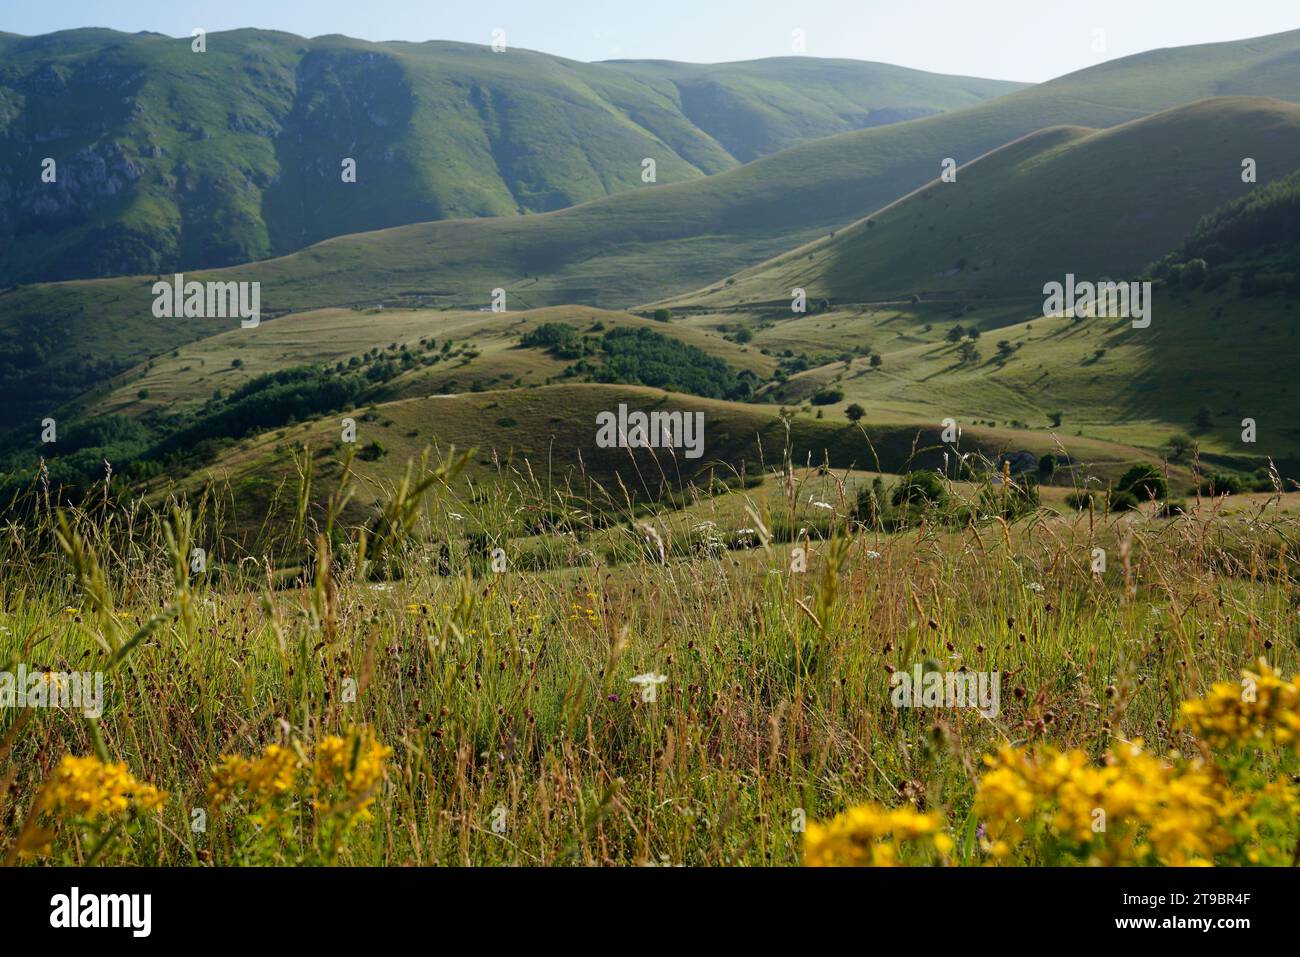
pixel 545 438
pixel 634 247
pixel 180 409
pixel 173 159
pixel 1259 229
pixel 1062 200
pixel 482 351
pixel 1220 349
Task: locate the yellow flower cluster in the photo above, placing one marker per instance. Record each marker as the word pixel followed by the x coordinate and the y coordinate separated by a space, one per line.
pixel 870 835
pixel 1134 809
pixel 1050 806
pixel 86 789
pixel 1264 709
pixel 264 779
pixel 357 763
pixel 90 788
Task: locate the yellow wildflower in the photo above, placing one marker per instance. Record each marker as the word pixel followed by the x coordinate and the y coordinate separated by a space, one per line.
pixel 356 763
pixel 1264 709
pixel 263 779
pixel 1136 808
pixel 870 835
pixel 89 788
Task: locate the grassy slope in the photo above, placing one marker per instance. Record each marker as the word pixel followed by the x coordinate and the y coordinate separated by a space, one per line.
pixel 548 433
pixel 327 336
pixel 651 242
pixel 1062 200
pixel 1146 385
pixel 170 158
pixel 1111 381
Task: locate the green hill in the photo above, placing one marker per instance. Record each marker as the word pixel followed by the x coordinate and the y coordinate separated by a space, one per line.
pixel 172 159
pixel 1220 349
pixel 547 435
pixel 640 245
pixel 59 340
pixel 1063 200
pixel 1260 228
pixel 1216 350
pixel 180 409
pixel 473 350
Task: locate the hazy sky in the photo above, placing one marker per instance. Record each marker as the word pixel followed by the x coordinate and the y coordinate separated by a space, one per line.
pixel 1005 39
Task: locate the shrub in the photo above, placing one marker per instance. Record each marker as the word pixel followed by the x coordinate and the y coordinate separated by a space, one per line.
pixel 1220 483
pixel 1010 501
pixel 1083 499
pixel 919 488
pixel 828 396
pixel 870 507
pixel 1144 481
pixel 1171 509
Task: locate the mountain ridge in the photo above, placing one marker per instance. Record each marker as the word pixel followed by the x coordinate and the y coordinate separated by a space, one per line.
pixel 174 159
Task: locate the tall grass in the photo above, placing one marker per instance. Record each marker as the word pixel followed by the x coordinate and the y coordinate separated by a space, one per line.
pixel 517 735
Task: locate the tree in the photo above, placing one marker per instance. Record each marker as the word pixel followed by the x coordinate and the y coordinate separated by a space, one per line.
pixel 956 333
pixel 1204 419
pixel 743 335
pixel 1194 273
pixel 855 412
pixel 876 360
pixel 1005 349
pixel 236 363
pixel 1055 418
pixel 663 315
pixel 1180 446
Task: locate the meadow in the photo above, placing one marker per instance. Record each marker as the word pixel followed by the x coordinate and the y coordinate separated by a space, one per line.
pixel 951 578
pixel 703 686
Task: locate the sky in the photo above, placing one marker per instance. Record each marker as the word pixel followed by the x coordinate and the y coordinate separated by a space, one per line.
pixel 1029 40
